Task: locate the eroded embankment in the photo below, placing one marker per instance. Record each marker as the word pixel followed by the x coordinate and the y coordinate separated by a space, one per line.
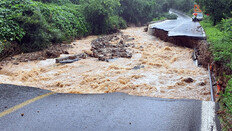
pixel 156 69
pixel 201 47
pixel 184 41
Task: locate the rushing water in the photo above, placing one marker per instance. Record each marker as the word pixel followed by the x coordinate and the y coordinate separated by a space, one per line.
pixel 164 69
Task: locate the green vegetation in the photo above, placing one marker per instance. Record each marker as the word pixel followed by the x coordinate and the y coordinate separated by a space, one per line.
pixel 102 16
pixel 218 27
pixel 36 24
pixel 217 9
pixel 220 37
pixel 226 106
pixel 165 17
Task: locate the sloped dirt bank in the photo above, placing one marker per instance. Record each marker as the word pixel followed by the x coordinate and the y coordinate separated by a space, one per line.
pixel 52 52
pixel 204 55
pixel 10 50
pixel 179 40
pixel 201 47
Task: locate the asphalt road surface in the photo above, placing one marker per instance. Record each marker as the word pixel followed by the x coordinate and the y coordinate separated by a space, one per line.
pixel 183 26
pixel 28 108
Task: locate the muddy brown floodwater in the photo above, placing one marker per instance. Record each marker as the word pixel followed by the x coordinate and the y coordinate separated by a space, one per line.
pixel 157 69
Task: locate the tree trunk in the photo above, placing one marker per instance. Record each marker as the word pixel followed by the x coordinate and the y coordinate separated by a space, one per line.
pixel 214 21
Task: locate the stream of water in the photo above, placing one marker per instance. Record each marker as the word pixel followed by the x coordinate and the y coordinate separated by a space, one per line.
pixel 164 70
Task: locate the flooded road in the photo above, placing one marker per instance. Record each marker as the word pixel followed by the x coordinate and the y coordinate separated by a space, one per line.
pixel 157 69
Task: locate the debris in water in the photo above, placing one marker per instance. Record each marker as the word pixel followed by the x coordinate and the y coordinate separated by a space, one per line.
pixel 22 114
pixel 52 54
pixel 16 63
pixel 66 52
pixel 71 59
pixel 202 84
pixel 110 47
pixel 138 67
pixel 165 68
pixel 189 80
pixel 88 52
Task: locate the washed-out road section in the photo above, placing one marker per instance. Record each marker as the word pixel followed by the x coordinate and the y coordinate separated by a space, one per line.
pixel 183 26
pixel 26 108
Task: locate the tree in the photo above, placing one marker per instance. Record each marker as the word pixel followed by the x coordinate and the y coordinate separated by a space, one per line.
pixel 217 9
pixel 98 12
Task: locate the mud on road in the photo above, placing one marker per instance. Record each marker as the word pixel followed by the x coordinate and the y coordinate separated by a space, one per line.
pixel 156 69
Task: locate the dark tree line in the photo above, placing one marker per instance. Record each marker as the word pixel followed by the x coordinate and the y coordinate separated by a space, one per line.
pixel 217 9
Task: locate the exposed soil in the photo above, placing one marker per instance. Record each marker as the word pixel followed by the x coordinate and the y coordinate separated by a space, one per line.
pixel 177 40
pixel 13 49
pixel 52 52
pixel 204 55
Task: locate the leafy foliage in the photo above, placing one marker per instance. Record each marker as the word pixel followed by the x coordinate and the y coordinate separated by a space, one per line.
pixel 142 11
pixel 4 45
pixel 138 11
pixel 228 96
pixel 165 17
pixel 221 39
pixel 100 15
pixel 182 5
pixel 35 24
pixel 217 9
pixel 9 28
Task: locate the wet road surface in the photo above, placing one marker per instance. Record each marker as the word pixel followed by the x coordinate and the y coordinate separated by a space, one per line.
pixel 183 26
pixel 116 111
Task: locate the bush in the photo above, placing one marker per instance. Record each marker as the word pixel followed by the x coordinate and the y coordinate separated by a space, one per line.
pixel 226 106
pixel 4 45
pixel 159 19
pixel 170 16
pixel 114 23
pixel 100 14
pixel 165 16
pixel 10 29
pixel 228 97
pixel 221 46
pixel 138 11
pixel 59 2
pixel 220 39
pixel 35 25
pixel 66 22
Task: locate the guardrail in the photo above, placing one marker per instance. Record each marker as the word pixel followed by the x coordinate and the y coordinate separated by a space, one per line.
pixel 211 85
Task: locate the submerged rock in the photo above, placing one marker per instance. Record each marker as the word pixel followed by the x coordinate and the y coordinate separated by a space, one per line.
pixel 188 80
pixel 111 46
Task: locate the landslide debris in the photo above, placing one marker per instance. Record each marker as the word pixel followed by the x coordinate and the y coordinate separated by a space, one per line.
pixel 112 46
pixel 52 52
pixel 104 48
